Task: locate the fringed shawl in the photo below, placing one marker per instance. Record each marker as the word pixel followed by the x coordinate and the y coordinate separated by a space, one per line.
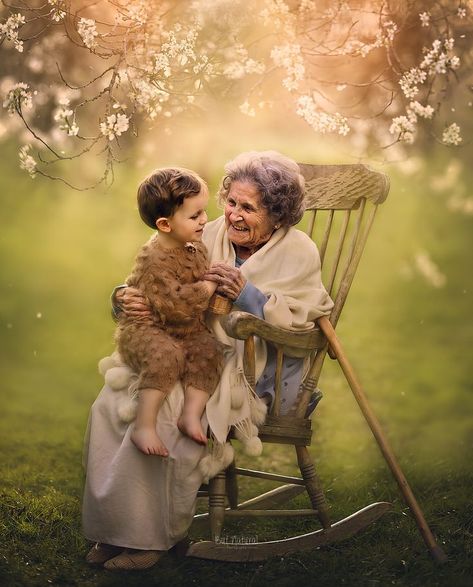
pixel 287 270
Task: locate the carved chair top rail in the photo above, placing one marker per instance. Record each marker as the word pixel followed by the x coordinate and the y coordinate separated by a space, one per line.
pixel 341 187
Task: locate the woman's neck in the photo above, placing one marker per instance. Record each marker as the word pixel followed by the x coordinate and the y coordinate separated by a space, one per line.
pixel 246 252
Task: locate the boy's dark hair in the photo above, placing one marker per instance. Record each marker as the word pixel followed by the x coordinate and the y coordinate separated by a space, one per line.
pixel 162 192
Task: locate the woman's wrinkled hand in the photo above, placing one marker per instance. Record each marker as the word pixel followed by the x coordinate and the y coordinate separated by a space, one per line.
pixel 230 280
pixel 133 303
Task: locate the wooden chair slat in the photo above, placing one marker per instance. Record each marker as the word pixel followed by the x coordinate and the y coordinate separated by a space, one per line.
pixel 310 229
pixel 350 270
pixel 338 251
pixel 249 361
pixel 328 228
pixel 277 383
pixel 309 384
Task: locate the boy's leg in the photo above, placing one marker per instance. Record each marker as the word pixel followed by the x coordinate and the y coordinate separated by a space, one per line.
pixel 194 406
pixel 144 435
pixel 204 361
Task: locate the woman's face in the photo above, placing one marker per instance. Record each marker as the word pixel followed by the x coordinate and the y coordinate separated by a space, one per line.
pixel 248 222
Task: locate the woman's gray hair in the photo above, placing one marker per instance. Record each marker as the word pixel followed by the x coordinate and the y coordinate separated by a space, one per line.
pixel 277 178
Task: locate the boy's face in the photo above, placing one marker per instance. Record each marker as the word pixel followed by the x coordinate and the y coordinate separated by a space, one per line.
pixel 188 221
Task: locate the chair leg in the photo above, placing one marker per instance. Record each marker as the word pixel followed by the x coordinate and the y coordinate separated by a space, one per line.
pixel 313 485
pixel 231 485
pixel 216 505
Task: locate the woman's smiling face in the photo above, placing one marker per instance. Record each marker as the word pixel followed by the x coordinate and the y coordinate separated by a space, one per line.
pixel 248 222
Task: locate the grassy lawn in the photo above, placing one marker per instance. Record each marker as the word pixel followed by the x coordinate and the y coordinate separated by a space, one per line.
pixel 61 254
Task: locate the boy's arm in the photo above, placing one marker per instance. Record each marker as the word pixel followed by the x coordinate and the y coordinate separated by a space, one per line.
pixel 175 301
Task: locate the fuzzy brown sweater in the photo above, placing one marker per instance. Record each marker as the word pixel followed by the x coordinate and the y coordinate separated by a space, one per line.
pixel 173 343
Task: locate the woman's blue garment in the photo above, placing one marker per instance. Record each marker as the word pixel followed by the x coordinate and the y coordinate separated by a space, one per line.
pixel 252 300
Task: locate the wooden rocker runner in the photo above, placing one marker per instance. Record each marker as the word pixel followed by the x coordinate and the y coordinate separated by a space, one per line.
pixel 348 197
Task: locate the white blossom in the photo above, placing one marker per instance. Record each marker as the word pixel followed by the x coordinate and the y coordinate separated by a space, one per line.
pixel 148 97
pixel 161 64
pixel 437 60
pixel 9 29
pixel 389 30
pixel 451 135
pixel 321 121
pixel 411 80
pixel 62 115
pixel 356 47
pixel 136 12
pixel 115 125
pixel 18 98
pixel 429 270
pixel 87 30
pixel 307 6
pixel 404 127
pixel 461 12
pixel 27 162
pixel 242 64
pixel 58 11
pixel 238 69
pixel 180 46
pixel 425 18
pixel 278 15
pixel 245 108
pixel 73 129
pixel 290 58
pixel 420 110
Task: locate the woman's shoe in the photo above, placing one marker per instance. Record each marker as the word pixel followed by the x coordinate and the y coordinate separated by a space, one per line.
pixel 99 553
pixel 133 560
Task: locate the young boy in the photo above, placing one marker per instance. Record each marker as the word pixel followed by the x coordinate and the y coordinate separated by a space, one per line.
pixel 173 343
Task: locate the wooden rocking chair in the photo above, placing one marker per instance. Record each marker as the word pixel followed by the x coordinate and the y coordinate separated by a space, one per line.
pixel 348 197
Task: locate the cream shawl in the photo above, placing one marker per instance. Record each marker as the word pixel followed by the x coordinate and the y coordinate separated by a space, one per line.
pixel 287 270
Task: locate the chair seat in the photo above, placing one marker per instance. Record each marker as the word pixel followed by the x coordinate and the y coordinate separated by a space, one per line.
pixel 286 430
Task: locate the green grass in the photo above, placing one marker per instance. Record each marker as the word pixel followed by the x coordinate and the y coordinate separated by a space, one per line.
pixel 61 254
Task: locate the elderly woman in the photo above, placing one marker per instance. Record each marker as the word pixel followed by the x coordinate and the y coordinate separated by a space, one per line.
pixel 266 267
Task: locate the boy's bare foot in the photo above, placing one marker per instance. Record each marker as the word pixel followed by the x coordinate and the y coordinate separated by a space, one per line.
pixel 146 440
pixel 190 426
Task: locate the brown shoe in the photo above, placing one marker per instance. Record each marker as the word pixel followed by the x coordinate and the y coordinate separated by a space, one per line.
pixel 133 560
pixel 99 553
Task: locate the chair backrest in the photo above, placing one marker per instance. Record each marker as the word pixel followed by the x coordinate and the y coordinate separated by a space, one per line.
pixel 341 205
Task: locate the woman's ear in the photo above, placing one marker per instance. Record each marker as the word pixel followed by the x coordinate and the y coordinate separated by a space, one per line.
pixel 162 224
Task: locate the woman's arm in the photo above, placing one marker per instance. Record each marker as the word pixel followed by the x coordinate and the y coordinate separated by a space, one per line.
pixel 230 281
pixel 233 285
pixel 130 301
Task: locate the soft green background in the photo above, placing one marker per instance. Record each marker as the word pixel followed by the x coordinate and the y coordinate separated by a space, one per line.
pixel 62 251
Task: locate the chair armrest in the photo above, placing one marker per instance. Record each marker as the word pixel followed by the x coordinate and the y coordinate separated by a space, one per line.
pixel 293 343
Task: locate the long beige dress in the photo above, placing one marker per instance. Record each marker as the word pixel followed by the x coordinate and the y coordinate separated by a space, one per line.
pixel 132 499
pixel 147 502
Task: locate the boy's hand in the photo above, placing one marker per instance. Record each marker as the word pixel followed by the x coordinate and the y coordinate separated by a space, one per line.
pixel 211 286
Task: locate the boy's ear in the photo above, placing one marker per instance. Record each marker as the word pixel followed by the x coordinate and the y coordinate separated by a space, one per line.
pixel 163 224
